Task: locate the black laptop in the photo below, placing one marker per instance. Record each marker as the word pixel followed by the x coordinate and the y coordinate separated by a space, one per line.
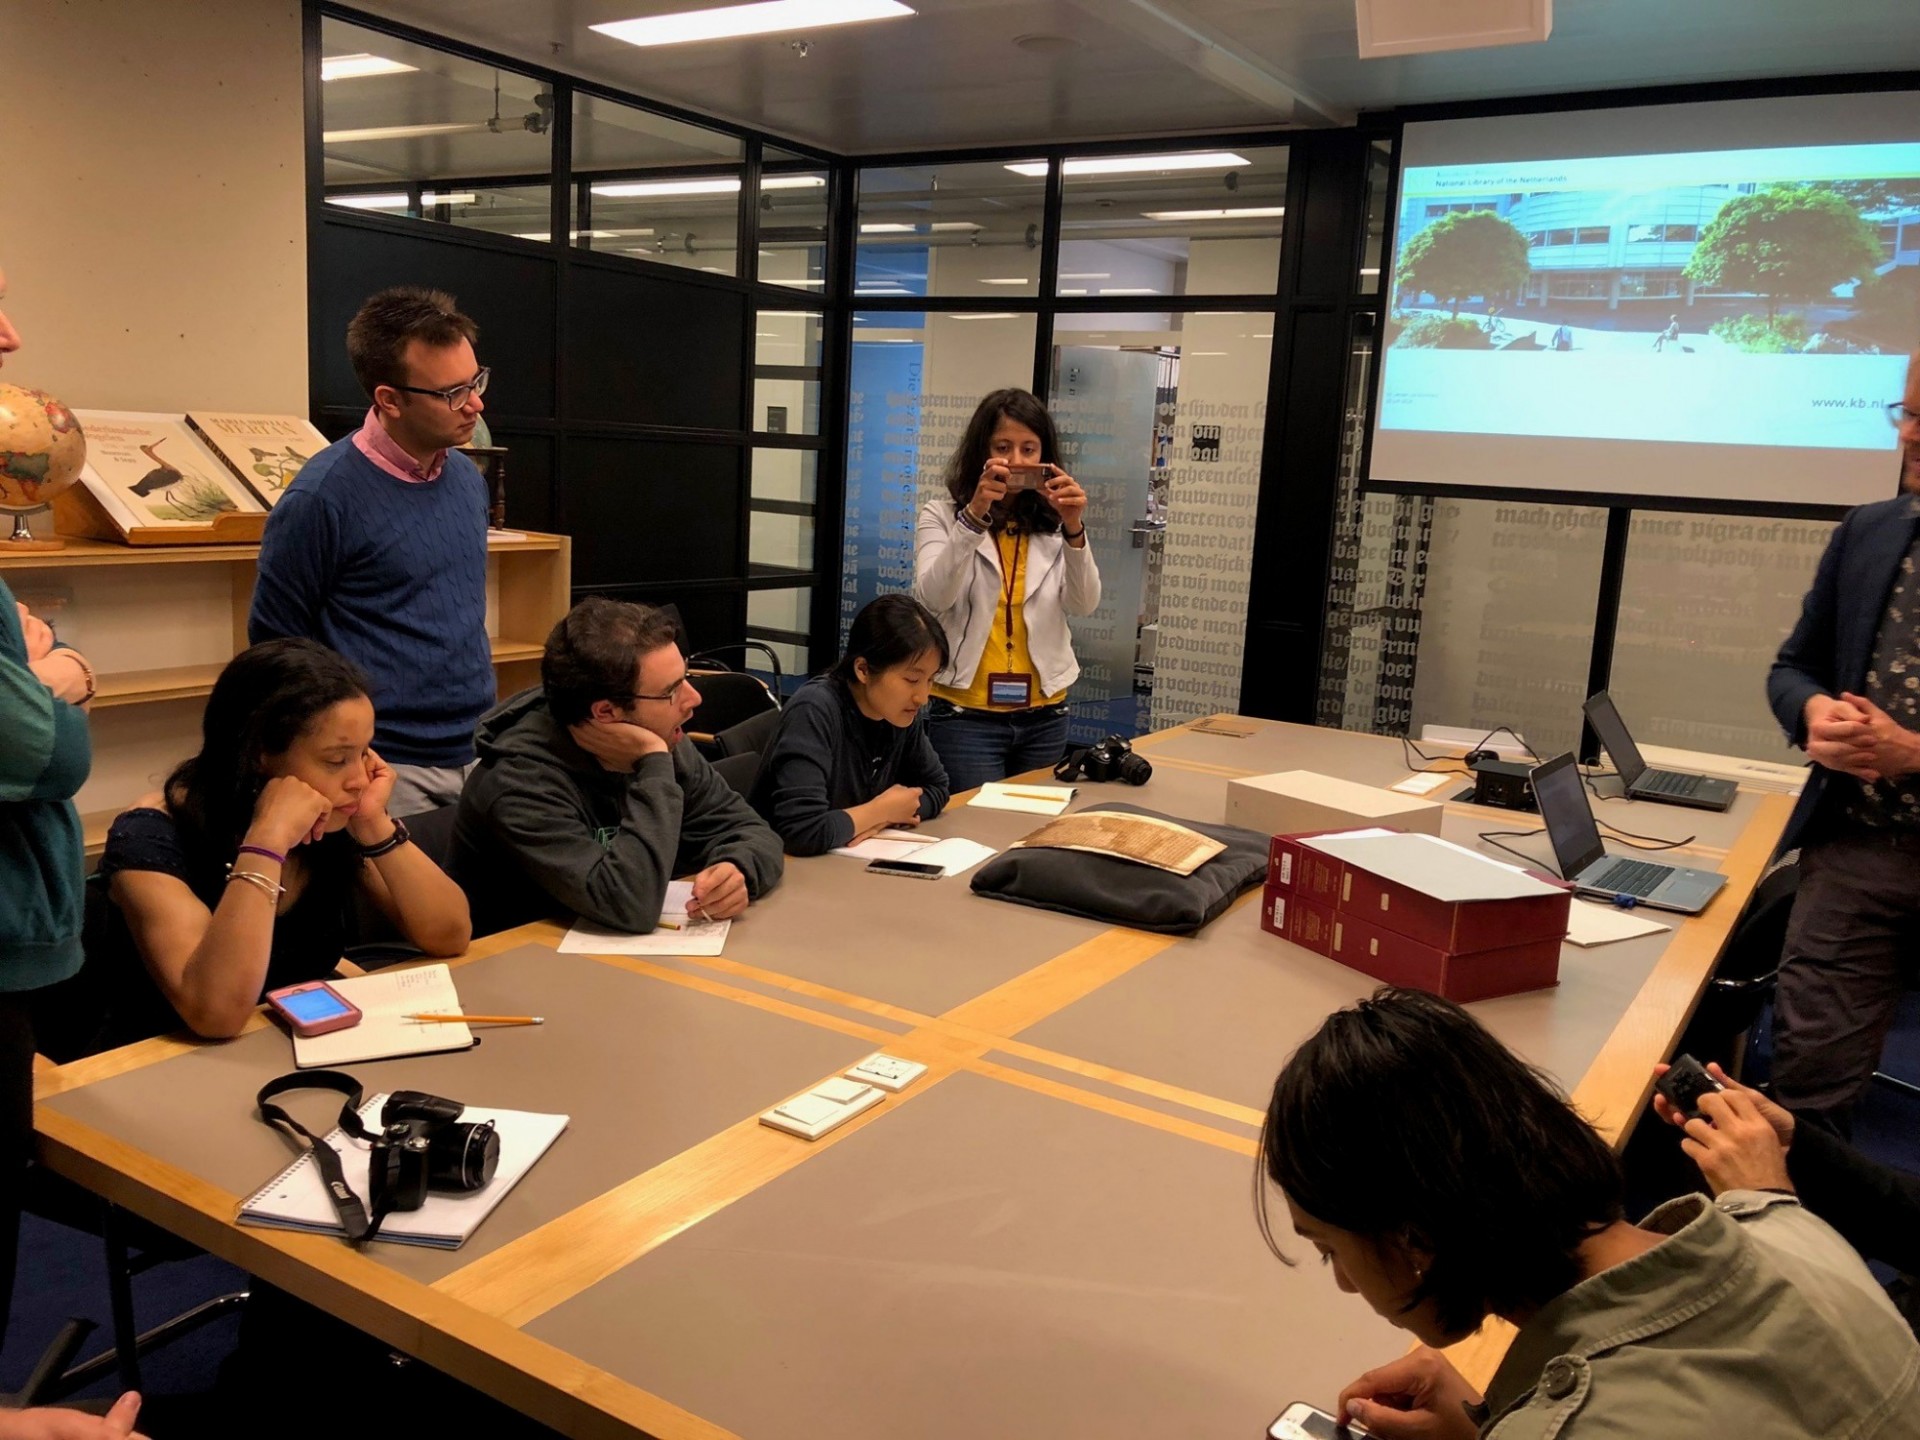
pixel 1562 798
pixel 1670 787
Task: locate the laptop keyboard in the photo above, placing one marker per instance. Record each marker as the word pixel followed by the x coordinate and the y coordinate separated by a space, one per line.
pixel 1630 877
pixel 1670 782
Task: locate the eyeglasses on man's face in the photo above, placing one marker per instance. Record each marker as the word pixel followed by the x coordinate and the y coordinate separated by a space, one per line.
pixel 672 692
pixel 455 395
pixel 1901 413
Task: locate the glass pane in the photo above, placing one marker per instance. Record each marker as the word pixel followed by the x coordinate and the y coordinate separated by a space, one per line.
pixel 780 540
pixel 655 188
pixel 916 379
pixel 793 220
pixel 1373 242
pixel 950 230
pixel 1161 418
pixel 1201 223
pixel 410 131
pixel 1506 632
pixel 788 610
pixel 786 371
pixel 786 475
pixel 1704 604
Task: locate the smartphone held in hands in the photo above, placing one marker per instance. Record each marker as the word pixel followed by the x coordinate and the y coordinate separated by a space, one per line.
pixel 313 1009
pixel 1301 1421
pixel 1684 1083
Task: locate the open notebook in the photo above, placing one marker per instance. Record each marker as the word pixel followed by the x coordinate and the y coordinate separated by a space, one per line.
pixel 385 1000
pixel 296 1198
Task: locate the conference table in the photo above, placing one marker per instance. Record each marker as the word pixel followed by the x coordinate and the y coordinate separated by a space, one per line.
pixel 1051 1232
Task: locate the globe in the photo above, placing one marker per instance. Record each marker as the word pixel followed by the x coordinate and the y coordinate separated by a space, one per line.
pixel 41 452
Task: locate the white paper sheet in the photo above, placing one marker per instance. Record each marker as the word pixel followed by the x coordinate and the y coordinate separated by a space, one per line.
pixel 888 845
pixel 1434 867
pixel 386 998
pixel 1591 924
pixel 1030 799
pixel 678 933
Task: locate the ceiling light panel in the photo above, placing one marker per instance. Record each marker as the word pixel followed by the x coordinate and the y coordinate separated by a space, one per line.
pixel 731 22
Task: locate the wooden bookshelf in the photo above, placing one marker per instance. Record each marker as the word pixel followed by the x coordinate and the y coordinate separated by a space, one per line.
pixel 154 667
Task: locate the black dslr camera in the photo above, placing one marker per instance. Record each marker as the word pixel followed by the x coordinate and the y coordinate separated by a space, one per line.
pixel 423 1146
pixel 1111 759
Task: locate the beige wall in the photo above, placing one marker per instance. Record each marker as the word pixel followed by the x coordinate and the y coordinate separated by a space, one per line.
pixel 152 202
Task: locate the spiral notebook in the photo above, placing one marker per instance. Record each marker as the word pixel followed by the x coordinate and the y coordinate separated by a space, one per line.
pixel 296 1198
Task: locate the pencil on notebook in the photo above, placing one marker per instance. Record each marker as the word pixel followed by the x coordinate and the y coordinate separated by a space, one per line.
pixel 669 925
pixel 480 1019
pixel 1039 794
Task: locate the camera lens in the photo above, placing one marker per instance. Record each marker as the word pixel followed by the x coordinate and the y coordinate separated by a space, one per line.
pixel 466 1156
pixel 1134 769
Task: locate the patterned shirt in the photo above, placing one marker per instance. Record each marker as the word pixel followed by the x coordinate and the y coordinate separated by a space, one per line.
pixel 1893 683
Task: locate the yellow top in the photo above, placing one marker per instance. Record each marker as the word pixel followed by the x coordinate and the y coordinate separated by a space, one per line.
pixel 1006 652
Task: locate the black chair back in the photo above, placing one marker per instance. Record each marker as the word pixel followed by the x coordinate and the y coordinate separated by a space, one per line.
pixel 740 771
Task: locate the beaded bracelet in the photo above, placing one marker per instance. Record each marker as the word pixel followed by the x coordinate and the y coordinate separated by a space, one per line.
pixel 265 886
pixel 974 525
pixel 263 853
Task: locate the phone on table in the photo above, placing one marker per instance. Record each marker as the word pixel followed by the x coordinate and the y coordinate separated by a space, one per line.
pixel 313 1009
pixel 1301 1421
pixel 910 869
pixel 1028 477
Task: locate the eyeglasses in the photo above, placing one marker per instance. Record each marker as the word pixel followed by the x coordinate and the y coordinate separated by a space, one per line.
pixel 455 395
pixel 672 691
pixel 1902 414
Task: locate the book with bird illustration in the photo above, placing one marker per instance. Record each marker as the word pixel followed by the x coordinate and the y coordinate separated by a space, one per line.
pixel 265 451
pixel 152 470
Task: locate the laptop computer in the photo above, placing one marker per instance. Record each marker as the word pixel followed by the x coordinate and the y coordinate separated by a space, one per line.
pixel 1562 797
pixel 1670 787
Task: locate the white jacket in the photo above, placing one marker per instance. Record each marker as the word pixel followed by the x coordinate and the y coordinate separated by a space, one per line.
pixel 957 575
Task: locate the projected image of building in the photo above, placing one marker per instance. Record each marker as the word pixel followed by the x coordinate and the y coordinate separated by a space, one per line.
pixel 1626 251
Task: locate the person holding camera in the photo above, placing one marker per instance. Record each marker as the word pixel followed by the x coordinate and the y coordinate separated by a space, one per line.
pixel 239 875
pixel 1444 1181
pixel 1003 560
pixel 851 755
pixel 1741 1140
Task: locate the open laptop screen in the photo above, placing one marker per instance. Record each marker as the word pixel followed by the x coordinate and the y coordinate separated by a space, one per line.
pixel 1563 805
pixel 1612 730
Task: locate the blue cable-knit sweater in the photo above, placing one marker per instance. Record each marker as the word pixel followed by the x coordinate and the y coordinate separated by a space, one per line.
pixel 393 576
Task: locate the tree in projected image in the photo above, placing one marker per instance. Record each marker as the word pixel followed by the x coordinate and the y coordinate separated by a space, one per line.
pixel 1788 243
pixel 1461 255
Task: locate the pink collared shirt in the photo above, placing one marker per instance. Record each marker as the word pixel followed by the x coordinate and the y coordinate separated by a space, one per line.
pixel 372 441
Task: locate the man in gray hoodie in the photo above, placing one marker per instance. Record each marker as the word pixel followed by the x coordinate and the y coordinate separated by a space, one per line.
pixel 589 797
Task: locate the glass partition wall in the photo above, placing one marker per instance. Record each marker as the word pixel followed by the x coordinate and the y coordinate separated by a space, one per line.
pixel 1135 293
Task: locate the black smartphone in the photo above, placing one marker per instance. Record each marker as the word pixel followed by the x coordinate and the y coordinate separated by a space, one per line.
pixel 911 869
pixel 1684 1083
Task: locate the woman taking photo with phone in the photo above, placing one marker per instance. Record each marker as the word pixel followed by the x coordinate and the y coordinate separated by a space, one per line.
pixel 1003 560
pixel 239 876
pixel 1443 1182
pixel 851 755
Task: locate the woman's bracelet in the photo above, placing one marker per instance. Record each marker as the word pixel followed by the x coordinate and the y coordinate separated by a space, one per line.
pixel 266 886
pixel 966 519
pixel 263 853
pixel 1072 534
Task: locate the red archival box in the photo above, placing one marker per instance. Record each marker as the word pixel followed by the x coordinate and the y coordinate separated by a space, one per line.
pixel 1464 950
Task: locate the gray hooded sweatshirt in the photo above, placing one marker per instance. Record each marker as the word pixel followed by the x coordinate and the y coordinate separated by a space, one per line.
pixel 542 826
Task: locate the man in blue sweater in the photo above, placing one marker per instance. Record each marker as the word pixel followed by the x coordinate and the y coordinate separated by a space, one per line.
pixel 379 547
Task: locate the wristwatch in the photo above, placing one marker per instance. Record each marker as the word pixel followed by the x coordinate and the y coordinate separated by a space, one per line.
pixel 387 846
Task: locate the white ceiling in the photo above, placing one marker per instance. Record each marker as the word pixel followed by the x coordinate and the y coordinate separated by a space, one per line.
pixel 956 73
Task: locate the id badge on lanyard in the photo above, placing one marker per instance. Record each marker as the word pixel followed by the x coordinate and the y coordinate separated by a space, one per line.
pixel 1005 689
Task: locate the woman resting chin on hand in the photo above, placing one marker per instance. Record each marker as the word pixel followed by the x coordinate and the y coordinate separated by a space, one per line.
pixel 239 876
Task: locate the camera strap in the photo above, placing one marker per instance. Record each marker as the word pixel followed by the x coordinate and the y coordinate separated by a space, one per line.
pixel 347 1205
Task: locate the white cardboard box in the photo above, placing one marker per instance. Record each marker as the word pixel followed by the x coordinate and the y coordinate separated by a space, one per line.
pixel 1295 802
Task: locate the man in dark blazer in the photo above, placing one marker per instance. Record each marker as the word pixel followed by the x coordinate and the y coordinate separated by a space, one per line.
pixel 1846 688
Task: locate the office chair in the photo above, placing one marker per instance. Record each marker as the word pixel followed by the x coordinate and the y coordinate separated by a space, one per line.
pixel 741 749
pixel 729 697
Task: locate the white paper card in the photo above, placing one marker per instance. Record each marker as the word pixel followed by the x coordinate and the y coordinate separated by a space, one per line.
pixel 1590 924
pixel 677 934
